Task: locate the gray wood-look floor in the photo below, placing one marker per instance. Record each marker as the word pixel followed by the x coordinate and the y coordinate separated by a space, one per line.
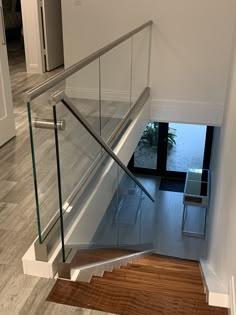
pixel 21 294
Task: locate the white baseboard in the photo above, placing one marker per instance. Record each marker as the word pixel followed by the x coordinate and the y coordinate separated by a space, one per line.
pixel 34 68
pixel 204 113
pixel 232 305
pixel 216 293
pixel 107 95
pixel 190 112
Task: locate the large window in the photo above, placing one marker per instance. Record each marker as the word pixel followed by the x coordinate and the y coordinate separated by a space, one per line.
pixel 171 149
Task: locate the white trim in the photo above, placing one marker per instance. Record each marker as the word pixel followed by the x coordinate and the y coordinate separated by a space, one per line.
pixel 187 112
pixel 217 294
pixel 85 273
pixel 232 304
pixel 31 16
pixel 107 95
pixel 34 68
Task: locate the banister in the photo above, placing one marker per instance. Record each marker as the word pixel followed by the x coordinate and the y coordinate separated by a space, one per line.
pixel 46 85
pixel 75 112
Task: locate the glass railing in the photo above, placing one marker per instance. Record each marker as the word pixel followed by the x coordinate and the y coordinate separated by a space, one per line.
pixel 105 88
pixel 113 203
pixel 126 222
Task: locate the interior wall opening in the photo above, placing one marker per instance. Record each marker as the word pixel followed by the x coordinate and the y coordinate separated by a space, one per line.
pixel 14 33
pixel 170 149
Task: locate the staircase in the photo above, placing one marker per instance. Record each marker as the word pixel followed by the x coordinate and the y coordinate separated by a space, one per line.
pixel 150 285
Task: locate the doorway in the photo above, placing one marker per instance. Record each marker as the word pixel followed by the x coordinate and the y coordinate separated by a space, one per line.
pixel 170 149
pixel 14 33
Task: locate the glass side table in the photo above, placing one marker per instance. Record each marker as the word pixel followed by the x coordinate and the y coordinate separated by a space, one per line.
pixel 196 194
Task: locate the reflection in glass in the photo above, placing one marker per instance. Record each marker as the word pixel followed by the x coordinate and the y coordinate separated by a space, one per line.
pixel 189 149
pixel 145 155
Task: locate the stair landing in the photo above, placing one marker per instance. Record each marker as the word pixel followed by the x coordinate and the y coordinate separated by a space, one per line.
pixel 150 285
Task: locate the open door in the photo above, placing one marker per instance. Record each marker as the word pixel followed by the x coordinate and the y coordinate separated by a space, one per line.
pixel 52 33
pixel 7 123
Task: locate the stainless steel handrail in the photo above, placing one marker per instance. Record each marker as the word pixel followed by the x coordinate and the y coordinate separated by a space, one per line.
pixel 70 106
pixel 46 85
pixel 58 97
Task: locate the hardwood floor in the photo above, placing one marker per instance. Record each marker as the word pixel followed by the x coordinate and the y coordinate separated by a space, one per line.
pixel 151 285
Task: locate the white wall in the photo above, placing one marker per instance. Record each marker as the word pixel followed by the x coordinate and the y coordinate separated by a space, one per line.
pixel 222 220
pixel 190 51
pixel 32 36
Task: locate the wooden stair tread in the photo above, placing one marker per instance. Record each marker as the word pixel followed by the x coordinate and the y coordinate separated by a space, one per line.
pixel 127 302
pixel 167 287
pixel 161 270
pixel 129 273
pixel 151 285
pixel 169 262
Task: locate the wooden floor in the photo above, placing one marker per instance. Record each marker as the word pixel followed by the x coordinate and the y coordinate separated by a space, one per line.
pixel 151 285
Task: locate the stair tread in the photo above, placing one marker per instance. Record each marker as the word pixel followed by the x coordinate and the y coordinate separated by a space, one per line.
pixel 113 299
pixel 161 269
pixel 168 288
pixel 155 277
pixel 148 286
pixel 168 262
pixel 161 283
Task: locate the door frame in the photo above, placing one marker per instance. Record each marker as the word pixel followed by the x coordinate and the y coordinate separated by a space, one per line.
pixel 162 155
pixel 7 119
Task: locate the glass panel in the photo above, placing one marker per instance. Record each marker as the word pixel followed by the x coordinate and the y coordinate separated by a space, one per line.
pixel 115 87
pixel 129 211
pixel 44 158
pixel 140 63
pixel 102 93
pixel 79 152
pixel 98 203
pixel 188 152
pixel 110 203
pixel 145 155
pixel 83 90
pixel 106 232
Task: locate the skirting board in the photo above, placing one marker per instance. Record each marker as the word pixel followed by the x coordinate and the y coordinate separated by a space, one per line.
pixel 191 112
pixel 34 68
pixel 232 292
pixel 203 113
pixel 217 294
pixel 106 95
